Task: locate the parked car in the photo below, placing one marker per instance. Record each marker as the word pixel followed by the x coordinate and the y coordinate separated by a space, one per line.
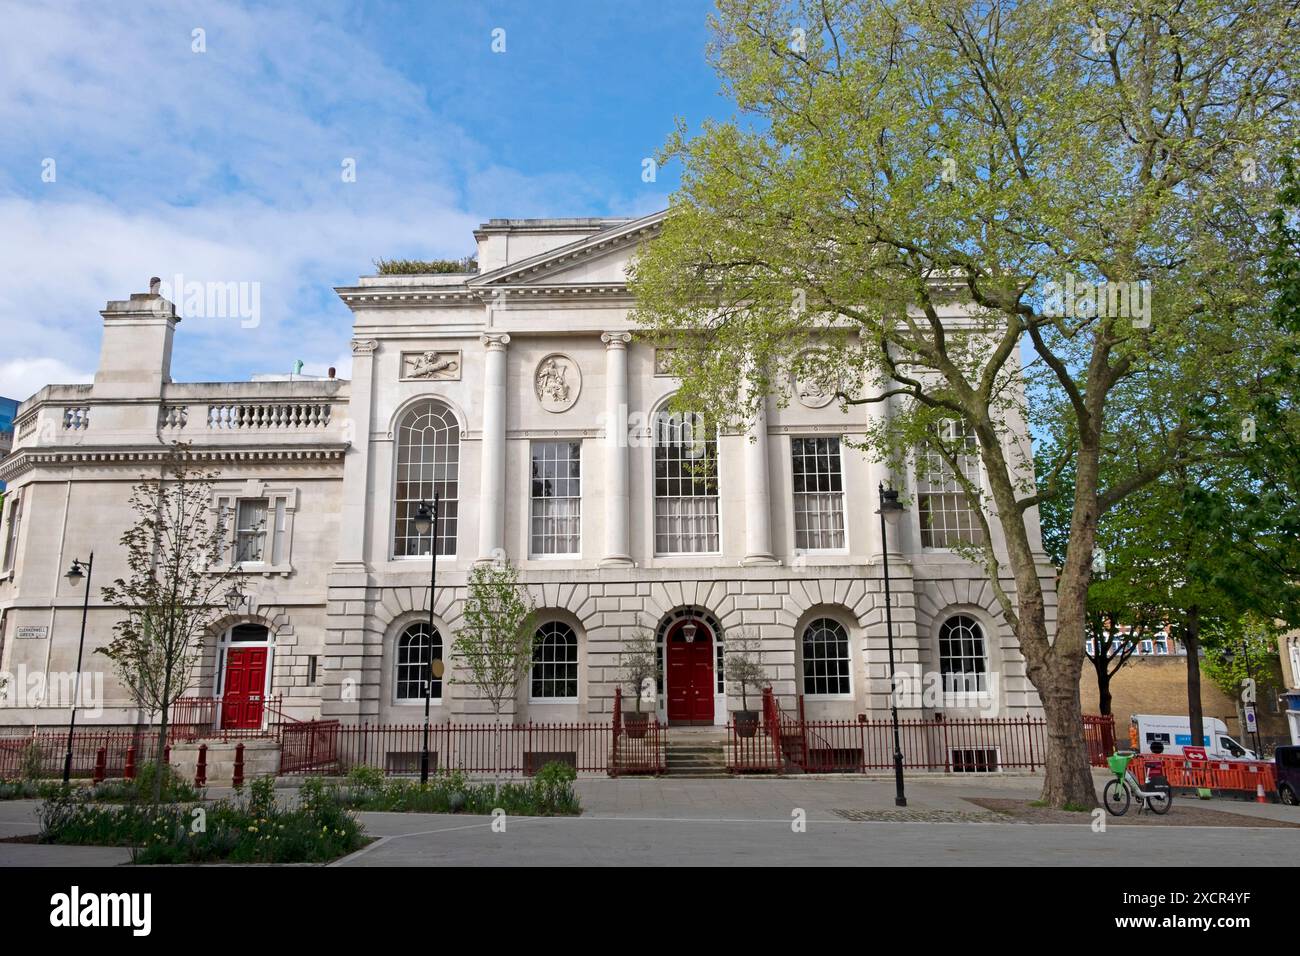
pixel 1286 761
pixel 1174 733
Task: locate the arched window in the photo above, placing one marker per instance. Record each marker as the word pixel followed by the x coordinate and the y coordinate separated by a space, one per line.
pixel 826 658
pixel 686 484
pixel 962 660
pixel 555 663
pixel 428 460
pixel 417 647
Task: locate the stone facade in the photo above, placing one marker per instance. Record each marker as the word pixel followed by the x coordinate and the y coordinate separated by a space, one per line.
pixel 535 347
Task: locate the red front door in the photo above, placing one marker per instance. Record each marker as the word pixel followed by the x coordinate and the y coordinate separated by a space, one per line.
pixel 241 705
pixel 690 675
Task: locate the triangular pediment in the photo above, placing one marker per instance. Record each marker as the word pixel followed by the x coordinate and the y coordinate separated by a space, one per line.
pixel 601 257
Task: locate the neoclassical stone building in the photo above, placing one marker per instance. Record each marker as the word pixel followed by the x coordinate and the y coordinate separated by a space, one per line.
pixel 520 396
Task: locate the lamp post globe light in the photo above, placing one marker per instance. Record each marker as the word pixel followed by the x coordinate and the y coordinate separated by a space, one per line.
pixel 426 522
pixel 80 569
pixel 890 511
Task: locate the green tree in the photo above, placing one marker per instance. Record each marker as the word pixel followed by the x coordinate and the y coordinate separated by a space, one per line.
pixel 896 158
pixel 174 590
pixel 494 643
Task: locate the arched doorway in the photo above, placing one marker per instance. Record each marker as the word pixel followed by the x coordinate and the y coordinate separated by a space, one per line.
pixel 689 643
pixel 244 659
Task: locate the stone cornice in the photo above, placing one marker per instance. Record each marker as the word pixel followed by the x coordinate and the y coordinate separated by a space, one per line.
pixel 398 298
pixel 27 459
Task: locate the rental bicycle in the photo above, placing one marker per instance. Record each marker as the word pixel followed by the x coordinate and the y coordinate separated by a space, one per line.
pixel 1157 796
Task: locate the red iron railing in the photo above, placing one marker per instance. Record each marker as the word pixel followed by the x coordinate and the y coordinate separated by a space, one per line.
pixel 785 743
pixel 633 750
pixel 199 718
pixel 315 747
pixel 95 753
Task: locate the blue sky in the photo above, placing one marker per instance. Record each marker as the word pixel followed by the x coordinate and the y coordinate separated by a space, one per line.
pixel 225 165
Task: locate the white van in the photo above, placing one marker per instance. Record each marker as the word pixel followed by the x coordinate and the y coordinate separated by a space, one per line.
pixel 1175 733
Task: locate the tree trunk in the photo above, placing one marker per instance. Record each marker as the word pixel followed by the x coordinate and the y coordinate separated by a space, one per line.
pixel 159 767
pixel 1102 667
pixel 1192 641
pixel 1068 778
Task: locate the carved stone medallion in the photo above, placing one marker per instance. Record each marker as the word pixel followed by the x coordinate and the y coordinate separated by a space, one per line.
pixel 810 392
pixel 557 382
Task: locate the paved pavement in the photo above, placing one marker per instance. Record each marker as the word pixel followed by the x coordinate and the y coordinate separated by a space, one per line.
pixel 747 821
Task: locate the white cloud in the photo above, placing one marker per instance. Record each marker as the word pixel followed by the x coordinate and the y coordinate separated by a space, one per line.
pixel 222 166
pixel 22 378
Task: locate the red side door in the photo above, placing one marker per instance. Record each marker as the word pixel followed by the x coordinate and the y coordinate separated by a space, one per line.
pixel 690 675
pixel 241 705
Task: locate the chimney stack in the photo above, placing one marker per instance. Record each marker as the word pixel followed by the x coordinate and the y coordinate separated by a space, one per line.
pixel 135 357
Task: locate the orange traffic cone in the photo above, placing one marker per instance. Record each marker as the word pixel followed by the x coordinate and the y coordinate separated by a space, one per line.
pixel 1259 793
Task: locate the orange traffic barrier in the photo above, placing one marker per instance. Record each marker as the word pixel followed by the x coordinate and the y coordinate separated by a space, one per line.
pixel 1249 776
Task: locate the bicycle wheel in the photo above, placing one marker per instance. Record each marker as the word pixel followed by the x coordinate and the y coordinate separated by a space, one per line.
pixel 1160 803
pixel 1115 798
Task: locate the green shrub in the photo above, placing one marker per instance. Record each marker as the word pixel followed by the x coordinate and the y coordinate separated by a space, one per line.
pixel 32 763
pixel 18 790
pixel 549 793
pixel 175 789
pixel 318 830
pixel 407 267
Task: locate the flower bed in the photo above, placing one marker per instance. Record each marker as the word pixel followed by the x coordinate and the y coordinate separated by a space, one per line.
pixel 251 828
pixel 548 793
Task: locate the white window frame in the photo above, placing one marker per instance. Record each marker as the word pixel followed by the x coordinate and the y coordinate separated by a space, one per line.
pixel 796 496
pixel 981 690
pixel 658 420
pixel 1148 646
pixel 576 663
pixel 246 533
pixel 534 501
pixel 847 659
pixel 934 478
pixel 439 650
pixel 277 547
pixel 447 531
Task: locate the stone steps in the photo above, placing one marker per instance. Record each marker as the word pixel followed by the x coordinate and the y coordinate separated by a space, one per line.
pixel 696 753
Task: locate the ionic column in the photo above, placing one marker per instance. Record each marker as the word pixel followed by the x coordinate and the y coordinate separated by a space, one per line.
pixel 492 487
pixel 618 521
pixel 758 499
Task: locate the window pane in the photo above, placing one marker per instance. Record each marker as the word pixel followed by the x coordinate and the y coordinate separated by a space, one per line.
pixel 428 461
pixel 946 516
pixel 250 529
pixel 555 663
pixel 417 647
pixel 686 485
pixel 818 494
pixel 826 658
pixel 556 498
pixel 961 656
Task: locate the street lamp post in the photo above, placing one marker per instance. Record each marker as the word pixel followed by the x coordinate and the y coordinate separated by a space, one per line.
pixel 75 573
pixel 426 522
pixel 890 511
